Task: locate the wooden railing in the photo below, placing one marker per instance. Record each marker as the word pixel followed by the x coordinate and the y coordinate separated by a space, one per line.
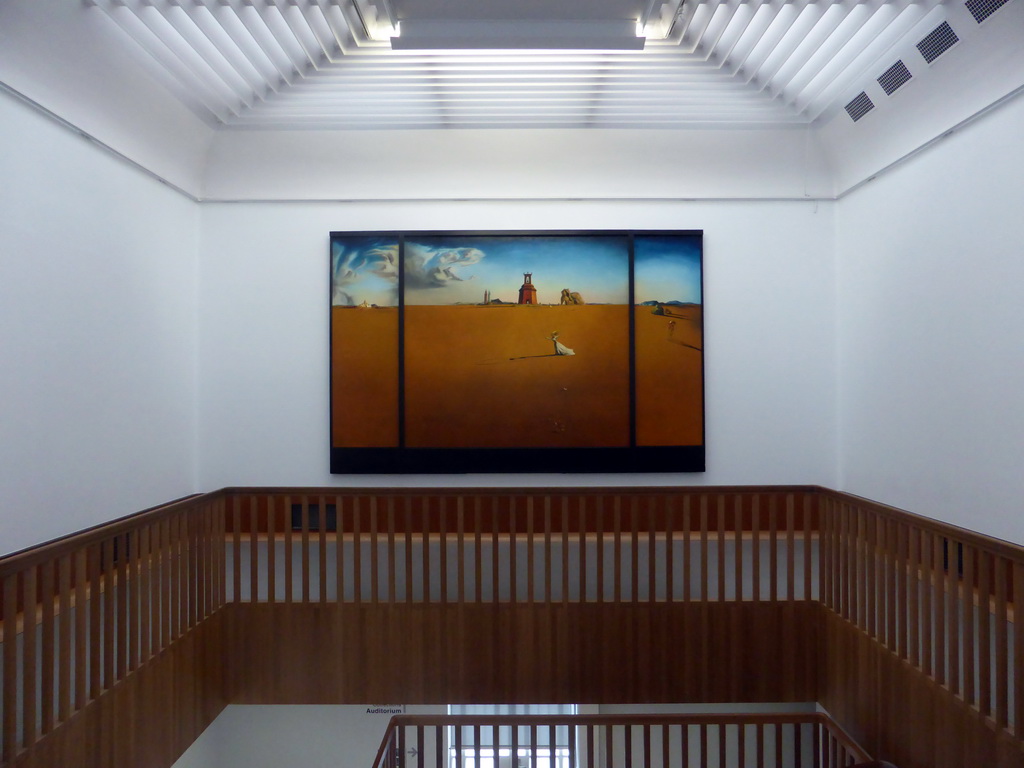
pixel 798 740
pixel 891 621
pixel 83 613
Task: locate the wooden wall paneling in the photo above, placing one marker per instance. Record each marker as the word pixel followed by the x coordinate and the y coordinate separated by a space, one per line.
pixel 913 596
pixel 871 573
pixel 95 557
pixel 408 544
pixel 939 589
pixel 720 568
pixel 702 551
pixel 513 539
pixel 548 567
pixel 634 550
pixel 670 546
pixel 566 591
pixel 273 519
pixel 808 502
pixel 860 568
pixel 530 559
pixel 147 572
pixel 166 588
pixel 496 559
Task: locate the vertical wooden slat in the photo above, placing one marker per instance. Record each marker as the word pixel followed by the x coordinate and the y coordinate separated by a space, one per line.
pixel 967 606
pixel 773 548
pixel 64 638
pixel 177 598
pixel 460 549
pixel 871 566
pixel 583 541
pixel 548 572
pixel 720 515
pixel 565 552
pixel 10 669
pixel 409 580
pixel 392 565
pixel 254 549
pixel 941 631
pixel 306 561
pixel 890 585
pixel 913 591
pixel 146 582
pixel 322 546
pixel 134 598
pixel 617 552
pixel 599 532
pixel 123 590
pixel 984 560
pixel 289 555
pixel 46 596
pixel 1002 663
pixel 927 570
pixel 530 565
pixel 670 546
pixel 166 588
pixel 478 551
pixel 704 577
pixel 861 569
pixel 790 547
pixel 513 531
pixel 495 559
pixel 808 501
pixel 755 548
pixel 95 622
pixel 634 550
pixel 82 638
pixel 443 543
pixel 738 527
pixel 902 590
pixel 272 518
pixel 30 663
pixel 426 549
pixel 1018 648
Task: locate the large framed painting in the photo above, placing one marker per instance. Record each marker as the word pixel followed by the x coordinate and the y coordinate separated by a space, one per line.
pixel 517 352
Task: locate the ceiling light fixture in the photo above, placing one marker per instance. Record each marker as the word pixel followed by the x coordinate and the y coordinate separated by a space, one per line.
pixel 613 35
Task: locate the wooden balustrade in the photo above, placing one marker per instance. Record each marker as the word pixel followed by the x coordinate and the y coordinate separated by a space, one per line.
pixel 894 622
pixel 798 740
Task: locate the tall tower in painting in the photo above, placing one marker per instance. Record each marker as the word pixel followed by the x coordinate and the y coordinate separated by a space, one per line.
pixel 527 294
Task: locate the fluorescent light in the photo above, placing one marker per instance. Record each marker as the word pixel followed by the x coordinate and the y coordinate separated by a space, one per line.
pixel 615 35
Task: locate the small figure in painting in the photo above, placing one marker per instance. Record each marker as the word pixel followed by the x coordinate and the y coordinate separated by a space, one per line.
pixel 671 327
pixel 560 348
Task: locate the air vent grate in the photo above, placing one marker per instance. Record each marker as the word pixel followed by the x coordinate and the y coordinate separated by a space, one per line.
pixel 859 106
pixel 937 42
pixel 982 9
pixel 894 77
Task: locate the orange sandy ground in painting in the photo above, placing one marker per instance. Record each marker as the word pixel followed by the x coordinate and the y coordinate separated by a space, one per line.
pixel 488 377
pixel 364 377
pixel 669 379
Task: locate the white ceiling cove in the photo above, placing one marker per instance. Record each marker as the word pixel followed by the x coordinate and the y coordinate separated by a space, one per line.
pixel 329 64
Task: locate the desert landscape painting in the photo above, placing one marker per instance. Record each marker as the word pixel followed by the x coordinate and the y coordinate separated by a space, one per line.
pixel 461 342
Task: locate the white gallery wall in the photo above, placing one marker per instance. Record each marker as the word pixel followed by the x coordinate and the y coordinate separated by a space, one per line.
pixel 97 334
pixel 769 334
pixel 930 342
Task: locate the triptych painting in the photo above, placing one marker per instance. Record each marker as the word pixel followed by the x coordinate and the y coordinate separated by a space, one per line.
pixel 464 352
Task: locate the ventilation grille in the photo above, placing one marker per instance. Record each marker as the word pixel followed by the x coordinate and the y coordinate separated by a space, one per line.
pixel 982 9
pixel 860 106
pixel 894 77
pixel 937 42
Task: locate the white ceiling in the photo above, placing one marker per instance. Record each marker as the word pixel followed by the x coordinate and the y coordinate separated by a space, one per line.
pixel 301 64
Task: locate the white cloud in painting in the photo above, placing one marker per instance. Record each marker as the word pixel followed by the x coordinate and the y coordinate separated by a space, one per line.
pixel 367 273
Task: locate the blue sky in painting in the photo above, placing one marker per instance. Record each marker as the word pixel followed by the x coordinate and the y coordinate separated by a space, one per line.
pixel 458 269
pixel 364 269
pixel 667 268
